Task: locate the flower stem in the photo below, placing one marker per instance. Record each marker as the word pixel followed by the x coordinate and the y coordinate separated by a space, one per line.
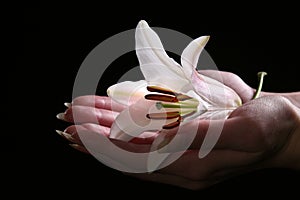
pixel 261 80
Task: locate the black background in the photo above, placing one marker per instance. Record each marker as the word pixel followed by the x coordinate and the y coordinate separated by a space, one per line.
pixel 57 38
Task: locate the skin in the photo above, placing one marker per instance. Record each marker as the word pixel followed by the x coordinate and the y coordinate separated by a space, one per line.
pixel 262 133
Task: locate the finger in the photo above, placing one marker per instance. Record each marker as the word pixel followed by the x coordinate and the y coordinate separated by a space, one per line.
pixel 233 81
pixel 74 129
pixel 79 137
pixel 99 140
pixel 101 102
pixel 85 114
pixel 80 148
pixel 75 141
pixel 217 164
pixel 71 133
pixel 172 180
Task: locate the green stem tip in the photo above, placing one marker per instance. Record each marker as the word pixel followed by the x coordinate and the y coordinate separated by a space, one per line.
pixel 261 80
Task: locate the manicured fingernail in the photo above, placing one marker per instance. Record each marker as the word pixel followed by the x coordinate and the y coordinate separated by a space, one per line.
pixel 68 105
pixel 60 116
pixel 79 147
pixel 59 132
pixel 66 135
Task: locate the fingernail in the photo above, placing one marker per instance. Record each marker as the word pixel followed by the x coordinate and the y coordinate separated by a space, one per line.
pixel 75 146
pixel 66 135
pixel 79 148
pixel 60 116
pixel 68 105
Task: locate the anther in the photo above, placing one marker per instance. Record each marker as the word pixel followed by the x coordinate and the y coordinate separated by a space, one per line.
pixel 159 97
pixel 173 124
pixel 166 115
pixel 160 90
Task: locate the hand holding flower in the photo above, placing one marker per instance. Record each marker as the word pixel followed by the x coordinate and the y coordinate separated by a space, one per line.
pixel 257 132
pixel 250 140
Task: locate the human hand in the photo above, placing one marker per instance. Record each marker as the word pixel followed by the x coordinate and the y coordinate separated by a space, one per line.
pixel 259 134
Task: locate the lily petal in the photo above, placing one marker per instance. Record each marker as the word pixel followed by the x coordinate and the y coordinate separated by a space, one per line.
pixel 211 90
pixel 191 53
pixel 161 75
pixel 215 92
pixel 154 61
pixel 128 92
pixel 133 121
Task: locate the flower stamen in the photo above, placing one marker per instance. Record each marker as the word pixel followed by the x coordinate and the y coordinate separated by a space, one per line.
pixel 187 115
pixel 166 115
pixel 160 90
pixel 182 97
pixel 173 124
pixel 181 105
pixel 160 97
pixel 160 105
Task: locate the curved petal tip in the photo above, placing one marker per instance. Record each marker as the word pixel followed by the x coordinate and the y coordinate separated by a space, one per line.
pixel 191 53
pixel 143 24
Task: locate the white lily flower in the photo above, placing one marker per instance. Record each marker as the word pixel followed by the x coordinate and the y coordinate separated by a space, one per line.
pixel 171 94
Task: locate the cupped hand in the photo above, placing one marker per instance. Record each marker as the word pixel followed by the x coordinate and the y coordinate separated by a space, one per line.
pixel 255 135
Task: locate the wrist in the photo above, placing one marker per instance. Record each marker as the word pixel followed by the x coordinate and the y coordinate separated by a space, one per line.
pixel 289 155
